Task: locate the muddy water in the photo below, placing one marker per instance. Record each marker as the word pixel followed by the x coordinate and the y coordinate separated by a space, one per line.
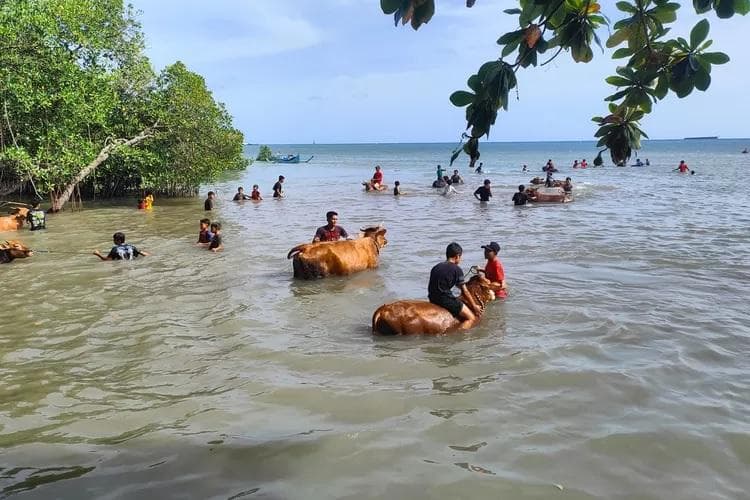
pixel 617 368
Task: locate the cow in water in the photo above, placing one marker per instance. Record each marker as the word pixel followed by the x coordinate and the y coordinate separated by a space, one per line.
pixel 340 258
pixel 13 249
pixel 15 220
pixel 413 317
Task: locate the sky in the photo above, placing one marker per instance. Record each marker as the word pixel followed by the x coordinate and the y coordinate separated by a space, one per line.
pixel 338 71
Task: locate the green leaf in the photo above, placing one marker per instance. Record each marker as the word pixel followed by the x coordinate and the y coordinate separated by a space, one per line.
pixel 622 52
pixel 715 57
pixel 702 6
pixel 461 98
pixel 626 7
pixel 390 6
pixel 702 80
pixel 512 11
pixel 618 37
pixel 699 33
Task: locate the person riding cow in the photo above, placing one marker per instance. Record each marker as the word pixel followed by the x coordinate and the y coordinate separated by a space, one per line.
pixel 443 277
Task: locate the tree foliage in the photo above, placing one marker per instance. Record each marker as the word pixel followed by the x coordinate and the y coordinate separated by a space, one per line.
pixel 655 65
pixel 264 153
pixel 74 82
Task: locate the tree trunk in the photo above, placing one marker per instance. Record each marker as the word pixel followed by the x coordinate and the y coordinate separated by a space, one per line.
pixel 59 200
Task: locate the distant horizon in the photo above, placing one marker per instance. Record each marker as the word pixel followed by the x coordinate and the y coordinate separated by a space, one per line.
pixel 709 138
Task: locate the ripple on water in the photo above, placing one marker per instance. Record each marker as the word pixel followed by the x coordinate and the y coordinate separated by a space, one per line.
pixel 617 368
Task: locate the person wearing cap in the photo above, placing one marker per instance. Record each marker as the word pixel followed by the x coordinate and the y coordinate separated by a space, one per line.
pixel 483 192
pixel 494 271
pixel 443 277
pixel 331 231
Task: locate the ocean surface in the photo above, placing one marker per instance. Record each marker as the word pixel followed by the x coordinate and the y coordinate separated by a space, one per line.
pixel 618 367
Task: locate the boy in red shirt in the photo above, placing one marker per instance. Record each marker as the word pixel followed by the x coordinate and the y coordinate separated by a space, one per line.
pixel 494 270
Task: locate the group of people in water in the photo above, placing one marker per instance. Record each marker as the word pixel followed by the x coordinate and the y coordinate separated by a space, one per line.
pixel 445 276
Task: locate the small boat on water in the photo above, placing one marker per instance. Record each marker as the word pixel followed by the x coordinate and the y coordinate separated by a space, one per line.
pixel 289 159
pixel 539 194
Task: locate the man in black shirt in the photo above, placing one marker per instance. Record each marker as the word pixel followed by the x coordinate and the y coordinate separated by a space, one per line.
pixel 443 277
pixel 278 192
pixel 520 197
pixel 483 193
pixel 209 203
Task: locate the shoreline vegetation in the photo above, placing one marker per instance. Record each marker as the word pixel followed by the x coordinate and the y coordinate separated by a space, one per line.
pixel 84 115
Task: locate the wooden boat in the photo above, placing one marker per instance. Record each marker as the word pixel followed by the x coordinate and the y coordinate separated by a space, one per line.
pixel 289 159
pixel 539 194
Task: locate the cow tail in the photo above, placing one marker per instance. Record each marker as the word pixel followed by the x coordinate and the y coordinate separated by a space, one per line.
pixel 294 251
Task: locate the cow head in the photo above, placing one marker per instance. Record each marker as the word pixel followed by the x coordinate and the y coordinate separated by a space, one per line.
pixel 377 233
pixel 14 249
pixel 480 289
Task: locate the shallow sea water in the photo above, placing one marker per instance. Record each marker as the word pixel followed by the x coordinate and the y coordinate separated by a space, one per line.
pixel 619 367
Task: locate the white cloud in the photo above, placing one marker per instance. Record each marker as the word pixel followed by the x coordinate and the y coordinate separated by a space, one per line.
pixel 199 32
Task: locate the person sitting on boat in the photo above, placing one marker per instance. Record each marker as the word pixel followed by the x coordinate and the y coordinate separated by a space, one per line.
pixel 568 185
pixel 548 181
pixel 240 195
pixel 456 178
pixel 331 231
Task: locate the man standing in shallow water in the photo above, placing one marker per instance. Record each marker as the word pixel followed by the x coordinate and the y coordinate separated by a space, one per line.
pixel 330 232
pixel 278 191
pixel 483 192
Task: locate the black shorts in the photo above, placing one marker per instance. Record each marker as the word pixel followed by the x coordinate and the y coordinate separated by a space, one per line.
pixel 453 305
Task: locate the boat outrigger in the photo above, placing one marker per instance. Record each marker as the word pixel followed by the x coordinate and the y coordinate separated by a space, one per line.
pixel 289 159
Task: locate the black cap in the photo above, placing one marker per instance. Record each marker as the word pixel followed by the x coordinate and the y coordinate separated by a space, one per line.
pixel 493 246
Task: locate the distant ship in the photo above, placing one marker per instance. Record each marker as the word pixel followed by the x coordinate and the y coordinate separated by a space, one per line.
pixel 702 137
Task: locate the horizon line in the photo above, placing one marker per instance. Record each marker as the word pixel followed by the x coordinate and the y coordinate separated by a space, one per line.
pixel 484 142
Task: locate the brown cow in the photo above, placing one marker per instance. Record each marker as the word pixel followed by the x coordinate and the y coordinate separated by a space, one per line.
pixel 318 260
pixel 410 317
pixel 13 249
pixel 15 220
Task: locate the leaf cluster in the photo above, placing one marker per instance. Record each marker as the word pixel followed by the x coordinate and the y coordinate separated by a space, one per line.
pixel 655 66
pixel 74 77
